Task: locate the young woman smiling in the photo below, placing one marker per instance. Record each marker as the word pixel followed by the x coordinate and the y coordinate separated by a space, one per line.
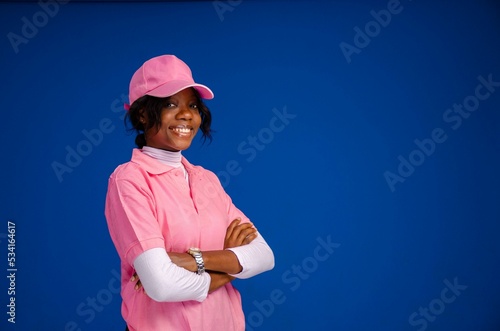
pixel 180 238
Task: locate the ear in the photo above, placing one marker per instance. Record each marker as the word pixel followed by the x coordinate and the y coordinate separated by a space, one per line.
pixel 142 116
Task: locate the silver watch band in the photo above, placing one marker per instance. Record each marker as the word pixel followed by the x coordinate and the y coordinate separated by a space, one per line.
pixel 198 257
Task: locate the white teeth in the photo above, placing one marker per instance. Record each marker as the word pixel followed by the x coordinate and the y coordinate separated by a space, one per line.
pixel 182 130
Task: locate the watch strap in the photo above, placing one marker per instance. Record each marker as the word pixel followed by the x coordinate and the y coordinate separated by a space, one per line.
pixel 198 258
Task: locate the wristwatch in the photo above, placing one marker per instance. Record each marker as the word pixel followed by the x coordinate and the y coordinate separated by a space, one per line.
pixel 196 253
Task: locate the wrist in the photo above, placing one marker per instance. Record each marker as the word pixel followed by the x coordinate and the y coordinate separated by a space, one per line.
pixel 218 279
pixel 198 258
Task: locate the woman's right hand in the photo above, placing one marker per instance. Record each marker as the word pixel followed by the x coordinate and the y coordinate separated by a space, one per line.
pixel 239 234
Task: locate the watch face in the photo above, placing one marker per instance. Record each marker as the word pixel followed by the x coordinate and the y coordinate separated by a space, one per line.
pixel 194 250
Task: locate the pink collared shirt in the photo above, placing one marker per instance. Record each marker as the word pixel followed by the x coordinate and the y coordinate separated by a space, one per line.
pixel 151 205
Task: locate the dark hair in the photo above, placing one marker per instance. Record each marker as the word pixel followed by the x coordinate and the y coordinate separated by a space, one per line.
pixel 152 107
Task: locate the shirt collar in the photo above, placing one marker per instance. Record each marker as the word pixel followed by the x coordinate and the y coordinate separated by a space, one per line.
pixel 155 167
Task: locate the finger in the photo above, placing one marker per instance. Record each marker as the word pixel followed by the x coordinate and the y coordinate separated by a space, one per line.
pixel 138 286
pixel 250 238
pixel 134 277
pixel 246 228
pixel 245 233
pixel 240 232
pixel 242 227
pixel 230 229
pixel 232 226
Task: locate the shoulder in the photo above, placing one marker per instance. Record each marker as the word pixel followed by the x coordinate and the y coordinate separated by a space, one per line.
pixel 129 178
pixel 126 169
pixel 137 167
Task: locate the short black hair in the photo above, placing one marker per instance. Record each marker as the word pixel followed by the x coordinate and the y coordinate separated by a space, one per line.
pixel 152 107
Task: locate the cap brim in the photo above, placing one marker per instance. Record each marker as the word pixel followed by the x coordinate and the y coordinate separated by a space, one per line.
pixel 175 86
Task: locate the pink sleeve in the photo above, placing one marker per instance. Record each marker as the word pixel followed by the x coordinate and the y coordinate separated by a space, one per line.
pixel 130 213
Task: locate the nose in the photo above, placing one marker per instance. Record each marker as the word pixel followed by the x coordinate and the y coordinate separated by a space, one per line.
pixel 185 113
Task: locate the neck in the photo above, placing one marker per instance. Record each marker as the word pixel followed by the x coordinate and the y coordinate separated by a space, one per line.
pixel 172 159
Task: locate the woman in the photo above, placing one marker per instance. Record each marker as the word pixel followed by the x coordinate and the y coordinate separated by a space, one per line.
pixel 172 223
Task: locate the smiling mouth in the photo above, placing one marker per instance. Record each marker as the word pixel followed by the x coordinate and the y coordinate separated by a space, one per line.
pixel 181 130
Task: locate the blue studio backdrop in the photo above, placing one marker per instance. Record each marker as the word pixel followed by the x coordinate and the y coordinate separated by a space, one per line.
pixel 362 139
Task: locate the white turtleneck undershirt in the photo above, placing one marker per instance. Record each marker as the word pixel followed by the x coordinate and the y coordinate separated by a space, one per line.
pixel 173 159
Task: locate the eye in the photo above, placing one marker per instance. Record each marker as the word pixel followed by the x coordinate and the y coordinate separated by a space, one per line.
pixel 170 105
pixel 194 106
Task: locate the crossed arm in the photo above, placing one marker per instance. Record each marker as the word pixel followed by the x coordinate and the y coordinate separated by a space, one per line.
pixel 219 264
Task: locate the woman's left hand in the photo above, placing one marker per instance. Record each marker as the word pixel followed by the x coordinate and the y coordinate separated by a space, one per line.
pixel 239 234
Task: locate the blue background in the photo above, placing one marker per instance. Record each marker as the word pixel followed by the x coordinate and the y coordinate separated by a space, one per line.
pixel 320 178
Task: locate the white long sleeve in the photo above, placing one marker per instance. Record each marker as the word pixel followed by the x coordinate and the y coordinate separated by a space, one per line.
pixel 164 281
pixel 255 258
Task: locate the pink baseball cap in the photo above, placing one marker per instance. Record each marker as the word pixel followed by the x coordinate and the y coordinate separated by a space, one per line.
pixel 163 76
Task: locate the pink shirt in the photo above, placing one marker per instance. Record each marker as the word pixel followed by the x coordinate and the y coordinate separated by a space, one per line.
pixel 151 205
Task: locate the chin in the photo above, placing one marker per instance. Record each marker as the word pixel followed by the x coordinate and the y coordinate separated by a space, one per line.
pixel 182 147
